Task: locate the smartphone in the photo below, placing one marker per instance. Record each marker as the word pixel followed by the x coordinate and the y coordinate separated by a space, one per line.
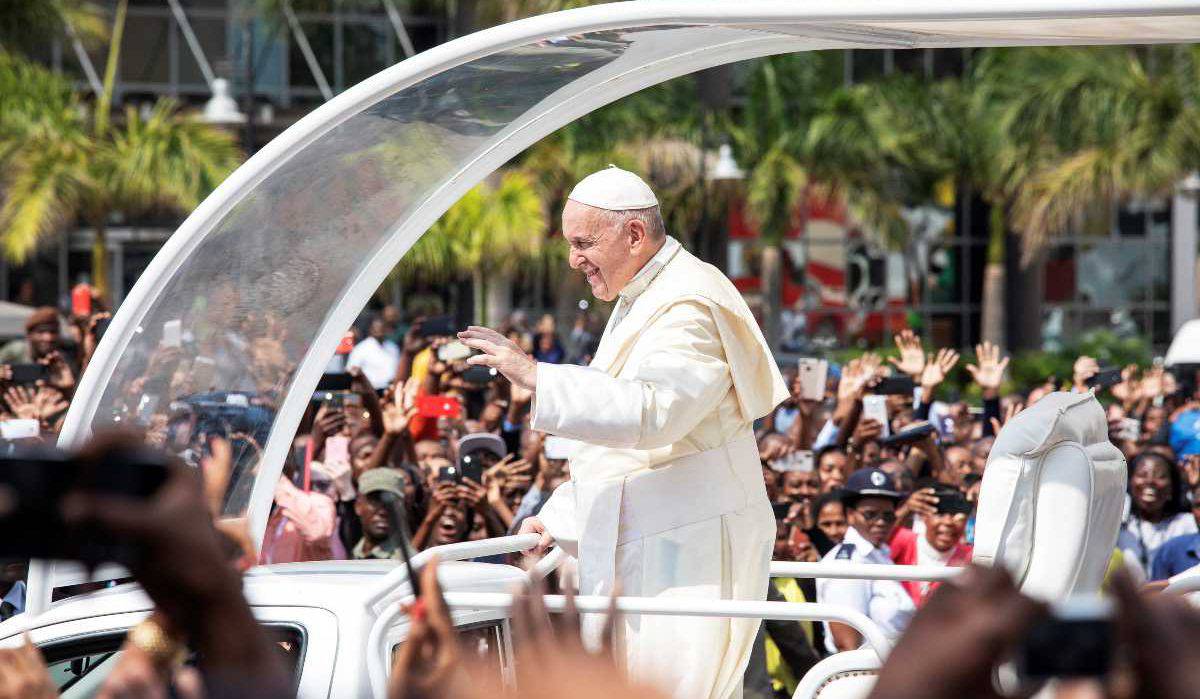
pixel 1130 429
pixel 337 449
pixel 1105 378
pixel 438 326
pixel 81 301
pixel 438 406
pixel 781 510
pixel 453 351
pixel 894 386
pixel 796 461
pixel 449 474
pixel 172 335
pixel 33 483
pixel 953 504
pixel 875 407
pixel 479 374
pixel 909 435
pixel 1076 640
pixel 204 372
pixel 29 374
pixel 812 376
pixel 470 466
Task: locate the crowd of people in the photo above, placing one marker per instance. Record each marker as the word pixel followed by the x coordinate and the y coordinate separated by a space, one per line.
pixel 406 446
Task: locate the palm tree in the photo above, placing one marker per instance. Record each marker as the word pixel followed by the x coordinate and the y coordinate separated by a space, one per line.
pixel 58 163
pixel 770 141
pixel 1112 123
pixel 486 235
pixel 31 24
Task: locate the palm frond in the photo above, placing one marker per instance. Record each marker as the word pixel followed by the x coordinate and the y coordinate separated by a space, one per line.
pixel 167 159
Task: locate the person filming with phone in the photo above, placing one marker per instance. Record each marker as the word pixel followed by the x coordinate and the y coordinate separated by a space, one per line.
pixel 666 495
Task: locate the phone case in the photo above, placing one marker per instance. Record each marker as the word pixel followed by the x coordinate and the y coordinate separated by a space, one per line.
pixel 875 407
pixel 812 374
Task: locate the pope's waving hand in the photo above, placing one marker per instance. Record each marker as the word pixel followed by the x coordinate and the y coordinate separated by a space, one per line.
pixel 666 494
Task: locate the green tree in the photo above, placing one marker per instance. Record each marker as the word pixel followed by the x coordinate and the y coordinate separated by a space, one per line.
pixel 770 138
pixel 30 24
pixel 59 162
pixel 1112 123
pixel 487 235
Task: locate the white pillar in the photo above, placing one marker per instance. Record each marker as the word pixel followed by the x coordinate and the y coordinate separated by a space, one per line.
pixel 1183 251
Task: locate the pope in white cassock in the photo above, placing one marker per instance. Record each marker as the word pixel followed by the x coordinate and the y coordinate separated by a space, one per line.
pixel 666 496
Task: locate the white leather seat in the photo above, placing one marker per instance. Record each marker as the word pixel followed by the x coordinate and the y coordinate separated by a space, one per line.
pixel 1049 509
pixel 1051 499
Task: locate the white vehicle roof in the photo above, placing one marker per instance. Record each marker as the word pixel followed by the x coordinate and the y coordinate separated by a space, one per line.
pixel 334 585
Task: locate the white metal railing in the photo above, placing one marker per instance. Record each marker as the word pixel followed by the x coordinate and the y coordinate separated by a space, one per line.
pixel 453 552
pixel 791 569
pixel 376 653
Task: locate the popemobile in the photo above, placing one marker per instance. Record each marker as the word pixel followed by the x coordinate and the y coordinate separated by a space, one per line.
pixel 344 193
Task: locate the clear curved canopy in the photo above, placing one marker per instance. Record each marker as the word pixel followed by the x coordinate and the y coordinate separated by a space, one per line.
pixel 238 314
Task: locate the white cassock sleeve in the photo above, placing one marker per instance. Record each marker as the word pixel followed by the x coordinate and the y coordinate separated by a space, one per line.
pixel 679 380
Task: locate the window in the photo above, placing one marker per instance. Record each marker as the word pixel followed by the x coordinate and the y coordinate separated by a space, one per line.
pixel 79 666
pixel 484 641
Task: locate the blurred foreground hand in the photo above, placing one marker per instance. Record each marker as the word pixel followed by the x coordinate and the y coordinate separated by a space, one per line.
pixel 551 659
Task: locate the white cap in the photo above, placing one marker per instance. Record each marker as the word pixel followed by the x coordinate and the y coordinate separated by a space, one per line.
pixel 614 189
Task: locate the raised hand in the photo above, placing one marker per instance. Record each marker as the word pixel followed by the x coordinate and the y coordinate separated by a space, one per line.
pixel 857 375
pixel 1127 389
pixel 1084 369
pixel 989 373
pixel 23 674
pixel 396 416
pixel 429 663
pixel 1154 384
pixel 501 354
pixel 59 374
pixel 20 400
pixel 936 369
pixel 48 402
pixel 912 355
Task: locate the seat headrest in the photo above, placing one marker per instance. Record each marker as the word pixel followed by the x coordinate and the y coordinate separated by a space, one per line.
pixel 1004 523
pixel 1058 417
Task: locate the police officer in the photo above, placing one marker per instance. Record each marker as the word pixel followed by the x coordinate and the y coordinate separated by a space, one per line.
pixel 870 499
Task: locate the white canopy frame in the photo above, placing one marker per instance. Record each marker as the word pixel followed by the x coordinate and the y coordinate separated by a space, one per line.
pixel 308 227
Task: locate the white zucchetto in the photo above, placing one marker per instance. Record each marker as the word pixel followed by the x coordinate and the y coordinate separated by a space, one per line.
pixel 614 189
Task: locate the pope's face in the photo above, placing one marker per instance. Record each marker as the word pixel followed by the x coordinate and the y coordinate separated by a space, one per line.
pixel 607 254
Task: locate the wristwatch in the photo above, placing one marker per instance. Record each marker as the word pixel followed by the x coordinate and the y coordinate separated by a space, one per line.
pixel 164 650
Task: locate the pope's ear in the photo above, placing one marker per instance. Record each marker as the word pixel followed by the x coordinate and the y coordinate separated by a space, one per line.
pixel 636 231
